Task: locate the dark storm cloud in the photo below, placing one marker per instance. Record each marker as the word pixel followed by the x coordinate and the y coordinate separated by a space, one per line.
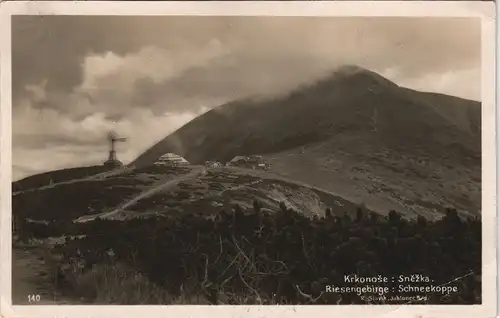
pixel 54 47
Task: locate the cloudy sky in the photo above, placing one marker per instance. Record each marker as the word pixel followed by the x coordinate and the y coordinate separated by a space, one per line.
pixel 77 77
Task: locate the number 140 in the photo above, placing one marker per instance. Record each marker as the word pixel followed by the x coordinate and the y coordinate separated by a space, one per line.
pixel 33 298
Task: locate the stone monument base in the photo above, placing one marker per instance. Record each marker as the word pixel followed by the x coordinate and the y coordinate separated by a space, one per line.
pixel 113 164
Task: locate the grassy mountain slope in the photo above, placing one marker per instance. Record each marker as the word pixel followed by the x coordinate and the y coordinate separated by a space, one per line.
pixel 353 137
pixel 352 103
pixel 360 120
pixel 56 176
pixel 206 193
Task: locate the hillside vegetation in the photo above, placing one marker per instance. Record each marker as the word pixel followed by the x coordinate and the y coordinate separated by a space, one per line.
pixel 250 256
pixel 353 119
pixel 208 191
pixel 340 104
pixel 365 178
pixel 51 177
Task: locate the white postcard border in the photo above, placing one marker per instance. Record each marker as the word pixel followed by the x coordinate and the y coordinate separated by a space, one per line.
pixel 474 9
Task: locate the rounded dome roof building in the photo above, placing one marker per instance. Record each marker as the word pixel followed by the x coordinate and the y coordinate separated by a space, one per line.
pixel 171 159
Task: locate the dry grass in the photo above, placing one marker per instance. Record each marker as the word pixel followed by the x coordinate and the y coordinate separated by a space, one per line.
pixel 116 284
pixel 108 283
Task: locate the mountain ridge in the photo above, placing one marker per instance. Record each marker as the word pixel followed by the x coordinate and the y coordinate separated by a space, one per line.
pixel 361 119
pixel 366 81
pixel 353 133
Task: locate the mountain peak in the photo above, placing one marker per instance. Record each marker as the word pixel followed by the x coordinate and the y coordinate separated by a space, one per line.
pixel 350 69
pixel 351 72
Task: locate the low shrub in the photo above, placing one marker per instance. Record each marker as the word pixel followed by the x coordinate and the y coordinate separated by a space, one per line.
pixel 255 257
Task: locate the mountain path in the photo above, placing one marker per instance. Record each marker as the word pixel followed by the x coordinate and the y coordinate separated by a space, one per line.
pixel 162 186
pixel 96 177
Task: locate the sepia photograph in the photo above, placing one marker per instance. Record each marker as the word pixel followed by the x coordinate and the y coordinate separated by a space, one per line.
pixel 211 157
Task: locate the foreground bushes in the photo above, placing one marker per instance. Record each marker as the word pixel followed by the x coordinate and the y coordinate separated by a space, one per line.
pixel 119 284
pixel 254 257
